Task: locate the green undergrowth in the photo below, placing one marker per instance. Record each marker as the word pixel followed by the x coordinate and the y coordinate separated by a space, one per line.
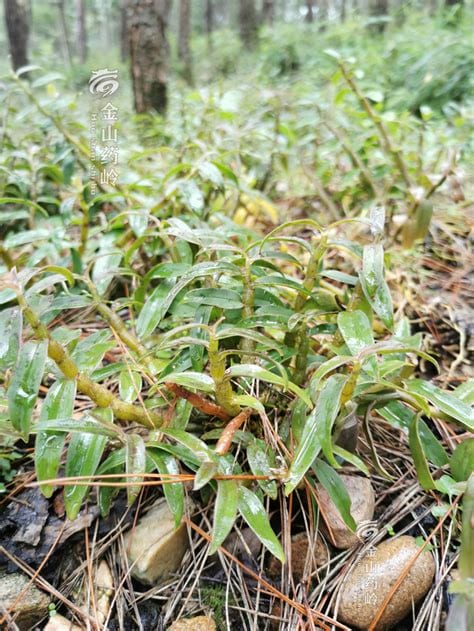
pixel 224 309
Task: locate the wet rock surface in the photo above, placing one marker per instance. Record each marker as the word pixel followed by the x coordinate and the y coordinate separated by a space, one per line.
pixel 199 623
pixel 375 575
pixel 60 623
pixel 362 497
pixel 304 559
pixel 155 548
pixel 27 610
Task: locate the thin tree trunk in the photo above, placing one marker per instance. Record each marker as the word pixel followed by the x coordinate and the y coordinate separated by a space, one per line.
pixel 248 23
pixel 343 10
pixel 379 9
pixel 184 51
pixel 209 13
pixel 18 29
pixel 147 22
pixel 81 30
pixel 268 11
pixel 309 17
pixel 64 35
pixel 124 43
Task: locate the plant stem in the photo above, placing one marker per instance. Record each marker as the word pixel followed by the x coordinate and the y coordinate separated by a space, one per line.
pixel 100 395
pixel 248 300
pixel 385 137
pixel 224 392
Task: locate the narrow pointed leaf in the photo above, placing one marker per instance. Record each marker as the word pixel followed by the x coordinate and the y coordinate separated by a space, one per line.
pixel 225 511
pixel 83 458
pixel 357 333
pixel 59 403
pixel 204 474
pixel 174 492
pixel 336 490
pixel 444 401
pixel 135 461
pixel 419 458
pixel 24 386
pixel 255 515
pixel 317 431
pixel 10 328
pixel 130 384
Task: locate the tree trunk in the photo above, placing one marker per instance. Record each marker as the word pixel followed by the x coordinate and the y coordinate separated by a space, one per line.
pixel 81 30
pixel 209 13
pixel 309 17
pixel 149 50
pixel 343 10
pixel 379 9
pixel 63 34
pixel 124 43
pixel 248 23
pixel 18 28
pixel 184 51
pixel 268 11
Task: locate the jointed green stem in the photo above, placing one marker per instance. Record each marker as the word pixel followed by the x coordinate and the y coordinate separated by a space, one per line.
pixel 100 395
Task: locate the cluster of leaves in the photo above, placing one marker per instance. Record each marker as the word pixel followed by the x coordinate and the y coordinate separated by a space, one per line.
pixel 238 358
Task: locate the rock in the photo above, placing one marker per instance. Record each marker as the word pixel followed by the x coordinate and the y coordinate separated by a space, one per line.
pixel 362 509
pixel 104 584
pixel 199 623
pixel 375 574
pixel 243 543
pixel 30 607
pixel 299 554
pixel 155 548
pixel 60 623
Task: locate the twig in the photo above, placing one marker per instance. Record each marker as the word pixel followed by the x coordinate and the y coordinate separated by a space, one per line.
pixel 224 442
pixel 198 401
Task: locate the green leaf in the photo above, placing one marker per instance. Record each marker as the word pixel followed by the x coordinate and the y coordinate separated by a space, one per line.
pixel 357 333
pixel 59 403
pixel 382 305
pixel 161 299
pixel 222 298
pixel 191 195
pixel 199 381
pixel 462 460
pixel 352 458
pixel 399 415
pixel 259 463
pixel 83 458
pixel 336 490
pixel 70 425
pixel 225 511
pixel 317 431
pixel 135 462
pixel 23 389
pixel 421 464
pixel 89 352
pixel 105 269
pixel 200 450
pixel 372 267
pixel 130 384
pixel 153 310
pixel 444 401
pixel 204 474
pixel 255 515
pixel 257 372
pixel 10 327
pixel 174 492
